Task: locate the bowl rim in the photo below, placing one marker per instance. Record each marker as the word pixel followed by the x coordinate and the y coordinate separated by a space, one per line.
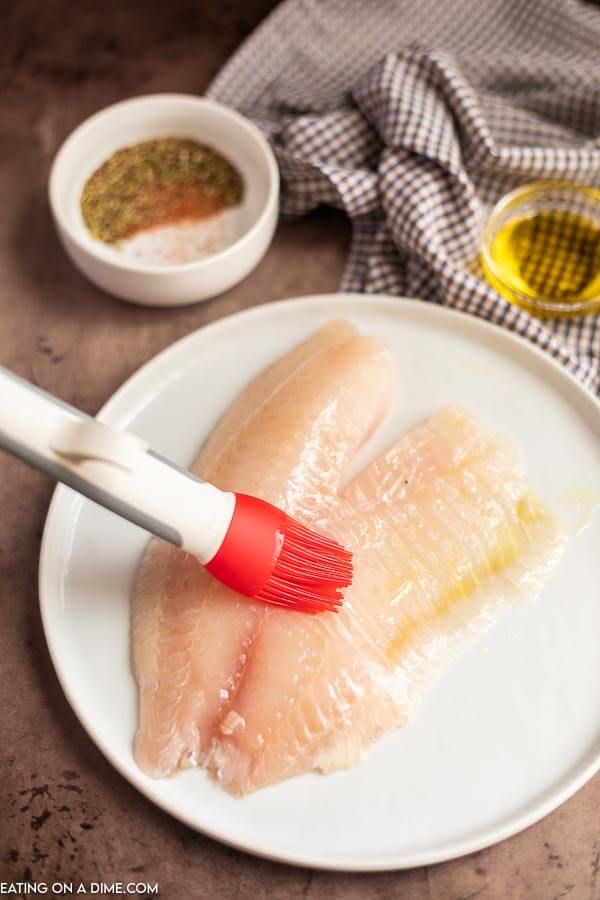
pixel 518 194
pixel 218 109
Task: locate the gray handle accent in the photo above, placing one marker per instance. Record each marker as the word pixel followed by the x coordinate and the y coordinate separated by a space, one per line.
pixel 78 483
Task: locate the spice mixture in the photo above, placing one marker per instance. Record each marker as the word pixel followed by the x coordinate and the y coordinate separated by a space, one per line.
pixel 157 182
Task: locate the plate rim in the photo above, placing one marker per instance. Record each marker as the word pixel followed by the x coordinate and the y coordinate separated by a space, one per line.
pixel 571 781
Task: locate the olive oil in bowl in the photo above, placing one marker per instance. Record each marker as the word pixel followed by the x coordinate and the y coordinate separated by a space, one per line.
pixel 542 249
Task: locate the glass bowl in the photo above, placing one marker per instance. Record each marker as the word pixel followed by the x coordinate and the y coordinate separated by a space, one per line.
pixel 541 248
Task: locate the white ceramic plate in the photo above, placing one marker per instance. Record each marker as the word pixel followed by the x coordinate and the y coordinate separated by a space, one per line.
pixel 506 736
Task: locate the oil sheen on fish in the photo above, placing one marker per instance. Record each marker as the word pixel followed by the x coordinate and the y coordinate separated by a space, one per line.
pixel 445 533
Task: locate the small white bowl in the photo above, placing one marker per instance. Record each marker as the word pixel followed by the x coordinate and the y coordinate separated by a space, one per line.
pixel 155 116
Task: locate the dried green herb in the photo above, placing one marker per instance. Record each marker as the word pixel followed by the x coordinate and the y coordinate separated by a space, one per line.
pixel 157 182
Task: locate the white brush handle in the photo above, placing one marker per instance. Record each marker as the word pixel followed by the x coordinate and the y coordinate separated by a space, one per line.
pixel 114 468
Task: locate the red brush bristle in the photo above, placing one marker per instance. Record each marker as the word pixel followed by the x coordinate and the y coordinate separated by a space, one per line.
pixel 271 557
pixel 310 572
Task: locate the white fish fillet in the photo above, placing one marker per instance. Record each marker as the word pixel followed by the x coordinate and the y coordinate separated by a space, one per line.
pixel 446 535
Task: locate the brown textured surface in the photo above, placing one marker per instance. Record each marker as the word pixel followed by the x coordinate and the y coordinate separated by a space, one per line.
pixel 64 813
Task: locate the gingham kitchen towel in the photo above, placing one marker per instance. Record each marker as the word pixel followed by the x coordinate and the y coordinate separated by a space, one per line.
pixel 415 117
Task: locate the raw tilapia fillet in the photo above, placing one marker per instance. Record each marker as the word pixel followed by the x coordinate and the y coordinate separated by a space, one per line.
pixel 445 533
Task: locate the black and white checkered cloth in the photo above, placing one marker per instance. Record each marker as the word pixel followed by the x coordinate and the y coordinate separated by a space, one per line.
pixel 415 117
